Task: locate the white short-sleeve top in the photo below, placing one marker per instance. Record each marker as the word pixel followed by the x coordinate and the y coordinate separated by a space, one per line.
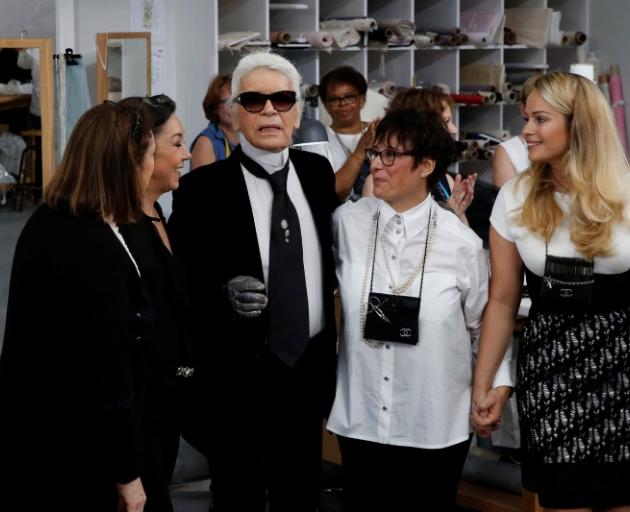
pixel 504 220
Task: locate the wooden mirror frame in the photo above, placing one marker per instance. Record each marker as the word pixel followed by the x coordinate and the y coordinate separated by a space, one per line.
pixel 47 103
pixel 101 59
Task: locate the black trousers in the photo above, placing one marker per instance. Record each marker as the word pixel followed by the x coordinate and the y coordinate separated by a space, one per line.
pixel 381 477
pixel 266 440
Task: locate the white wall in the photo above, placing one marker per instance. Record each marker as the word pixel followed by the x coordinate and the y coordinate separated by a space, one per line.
pixel 189 50
pixel 608 36
pixel 35 16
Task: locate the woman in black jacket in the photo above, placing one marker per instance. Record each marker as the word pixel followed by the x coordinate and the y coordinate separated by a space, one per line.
pixel 78 324
pixel 170 368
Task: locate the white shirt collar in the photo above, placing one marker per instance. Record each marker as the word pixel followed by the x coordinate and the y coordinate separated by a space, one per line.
pixel 269 161
pixel 412 221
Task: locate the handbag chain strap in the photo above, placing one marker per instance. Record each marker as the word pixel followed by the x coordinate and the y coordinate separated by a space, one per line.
pixel 369 268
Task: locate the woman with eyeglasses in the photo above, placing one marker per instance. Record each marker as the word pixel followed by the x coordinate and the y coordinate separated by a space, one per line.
pixel 78 329
pixel 455 194
pixel 219 138
pixel 413 281
pixel 167 410
pixel 343 91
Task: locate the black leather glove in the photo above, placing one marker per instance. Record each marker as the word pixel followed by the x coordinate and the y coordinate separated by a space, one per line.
pixel 246 296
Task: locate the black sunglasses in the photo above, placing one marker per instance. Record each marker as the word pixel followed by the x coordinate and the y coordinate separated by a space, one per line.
pixel 157 100
pixel 137 126
pixel 254 102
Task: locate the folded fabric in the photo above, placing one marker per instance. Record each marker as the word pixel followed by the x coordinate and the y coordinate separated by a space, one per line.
pixel 235 40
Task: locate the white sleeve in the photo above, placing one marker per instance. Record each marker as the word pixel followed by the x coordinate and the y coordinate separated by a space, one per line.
pixel 500 216
pixel 475 296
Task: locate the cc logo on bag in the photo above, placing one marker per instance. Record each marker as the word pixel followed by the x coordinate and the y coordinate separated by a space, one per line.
pixel 405 332
pixel 565 293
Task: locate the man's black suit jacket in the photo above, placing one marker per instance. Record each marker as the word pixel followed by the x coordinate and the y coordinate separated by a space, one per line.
pixel 213 233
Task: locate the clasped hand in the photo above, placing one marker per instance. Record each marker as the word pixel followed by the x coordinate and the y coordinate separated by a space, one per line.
pixel 486 410
pixel 246 296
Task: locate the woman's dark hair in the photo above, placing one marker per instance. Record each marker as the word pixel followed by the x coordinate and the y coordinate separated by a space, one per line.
pixel 422 99
pixel 212 99
pixel 342 75
pixel 99 173
pixel 422 133
pixel 156 110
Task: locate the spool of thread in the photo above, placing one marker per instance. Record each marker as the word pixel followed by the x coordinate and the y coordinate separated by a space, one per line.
pixel 573 38
pixel 279 37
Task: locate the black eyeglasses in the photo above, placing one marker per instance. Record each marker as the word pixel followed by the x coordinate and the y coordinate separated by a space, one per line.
pixel 388 156
pixel 254 102
pixel 336 101
pixel 137 125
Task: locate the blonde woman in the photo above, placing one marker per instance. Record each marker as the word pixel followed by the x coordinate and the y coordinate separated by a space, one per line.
pixel 565 223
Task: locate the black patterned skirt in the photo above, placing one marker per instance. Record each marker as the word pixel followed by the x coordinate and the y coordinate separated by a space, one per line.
pixel 573 391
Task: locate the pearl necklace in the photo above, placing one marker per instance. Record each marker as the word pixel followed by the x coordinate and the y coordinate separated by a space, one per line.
pixel 369 269
pixel 401 288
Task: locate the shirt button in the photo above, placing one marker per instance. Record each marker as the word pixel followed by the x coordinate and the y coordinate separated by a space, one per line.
pixel 398 231
pixel 387 346
pixel 384 408
pixel 398 221
pixel 393 256
pixel 386 379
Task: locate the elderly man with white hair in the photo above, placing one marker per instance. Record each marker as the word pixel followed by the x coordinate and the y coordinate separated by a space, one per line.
pixel 254 234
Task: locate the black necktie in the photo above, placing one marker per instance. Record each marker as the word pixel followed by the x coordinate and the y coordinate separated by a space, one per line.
pixel 286 286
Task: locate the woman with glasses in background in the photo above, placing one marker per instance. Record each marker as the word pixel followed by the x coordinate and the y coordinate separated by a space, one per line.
pixel 343 91
pixel 78 329
pixel 169 369
pixel 219 138
pixel 413 281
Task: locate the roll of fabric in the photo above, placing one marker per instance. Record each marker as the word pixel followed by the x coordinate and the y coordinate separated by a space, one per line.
pixel 344 37
pixel 462 39
pixel 401 27
pixel 425 40
pixel 387 87
pixel 319 39
pixel 472 88
pixel 618 105
pixel 310 90
pixel 573 38
pixel 470 99
pixel 478 40
pixel 279 37
pixel 381 34
pixel 509 96
pixel 602 82
pixel 358 24
pixel 441 30
pixel 509 36
pixel 447 40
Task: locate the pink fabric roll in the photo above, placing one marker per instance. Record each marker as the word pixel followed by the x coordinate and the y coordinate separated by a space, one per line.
pixel 318 39
pixel 617 100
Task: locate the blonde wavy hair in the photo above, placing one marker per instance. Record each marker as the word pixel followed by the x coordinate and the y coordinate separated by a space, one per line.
pixel 595 165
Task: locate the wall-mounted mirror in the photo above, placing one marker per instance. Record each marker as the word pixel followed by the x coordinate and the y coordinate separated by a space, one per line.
pixel 41 63
pixel 123 65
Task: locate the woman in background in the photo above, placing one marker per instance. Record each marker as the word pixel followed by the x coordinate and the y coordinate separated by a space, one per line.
pixel 78 328
pixel 219 138
pixel 565 222
pixel 169 368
